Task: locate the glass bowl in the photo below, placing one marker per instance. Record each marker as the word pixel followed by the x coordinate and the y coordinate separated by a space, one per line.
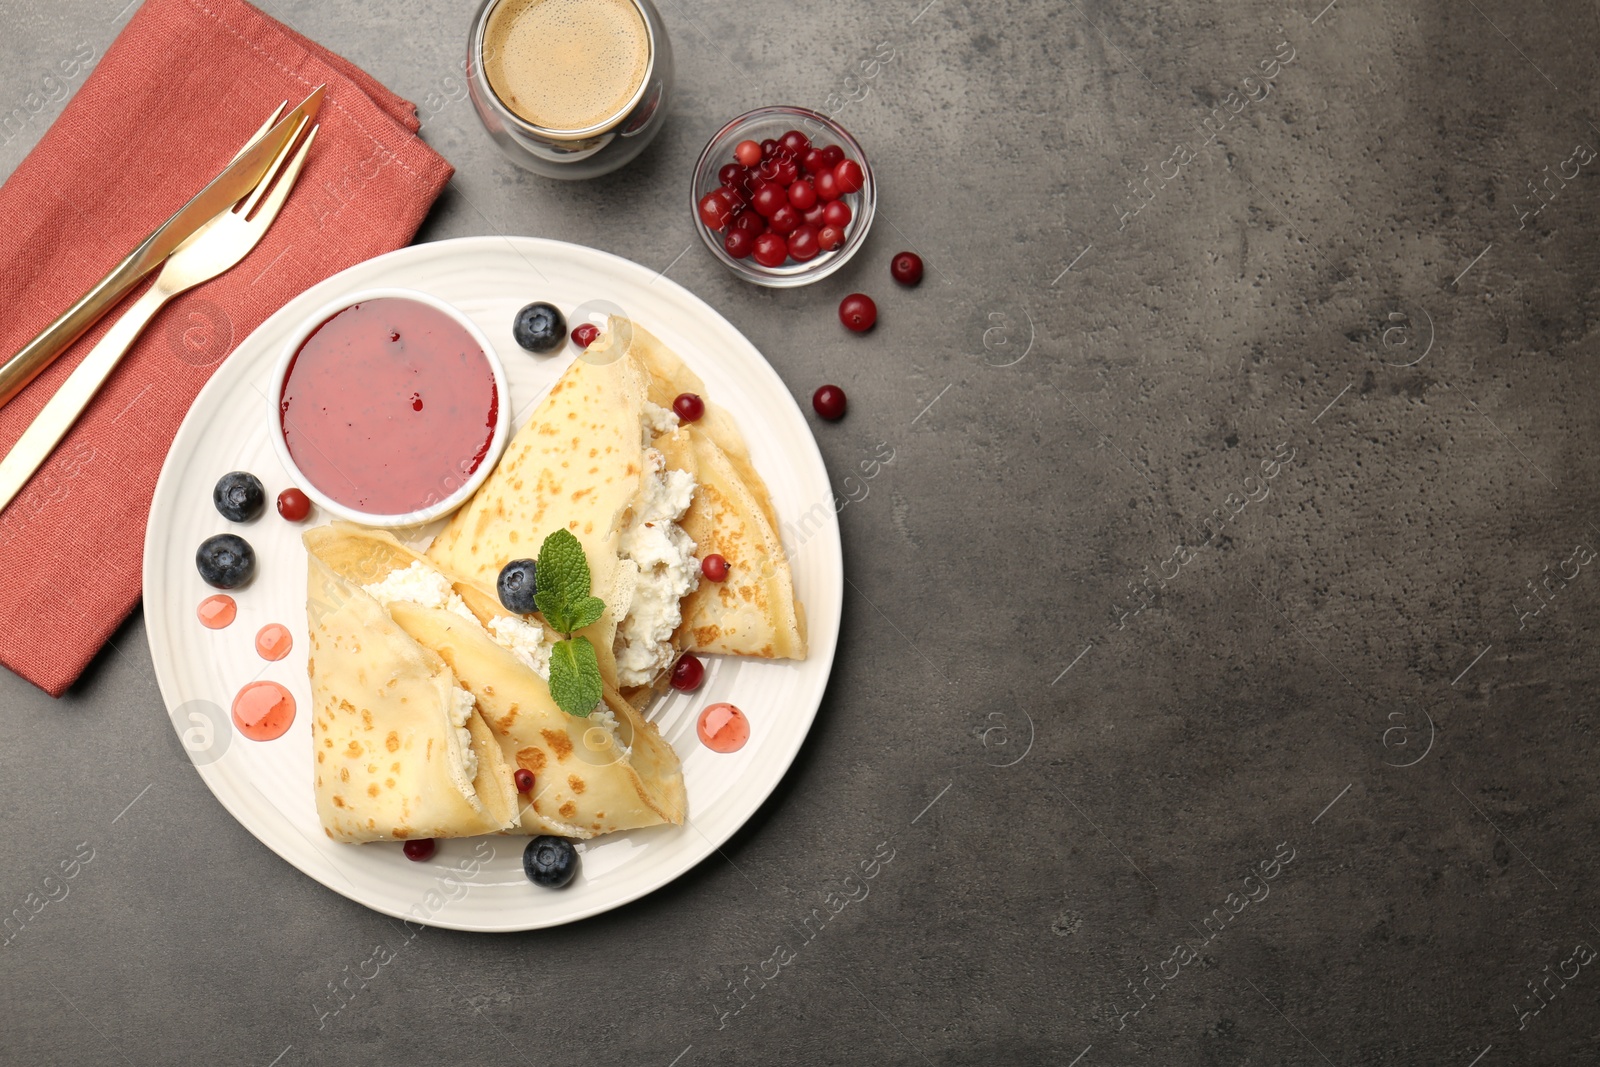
pixel 772 123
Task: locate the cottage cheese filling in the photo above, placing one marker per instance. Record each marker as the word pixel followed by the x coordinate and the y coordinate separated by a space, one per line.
pixel 668 571
pixel 460 710
pixel 420 584
pixel 525 640
pixel 658 420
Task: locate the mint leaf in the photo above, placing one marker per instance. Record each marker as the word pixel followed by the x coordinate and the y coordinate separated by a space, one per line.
pixel 586 611
pixel 575 677
pixel 563 568
pixel 555 610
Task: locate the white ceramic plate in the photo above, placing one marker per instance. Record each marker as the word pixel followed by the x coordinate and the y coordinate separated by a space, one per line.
pixel 477 883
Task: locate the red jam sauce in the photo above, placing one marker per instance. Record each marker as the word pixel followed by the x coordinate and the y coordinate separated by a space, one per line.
pixel 263 711
pixel 389 406
pixel 273 641
pixel 217 611
pixel 723 728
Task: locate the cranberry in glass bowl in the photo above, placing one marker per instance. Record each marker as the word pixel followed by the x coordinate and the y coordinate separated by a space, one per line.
pixel 804 153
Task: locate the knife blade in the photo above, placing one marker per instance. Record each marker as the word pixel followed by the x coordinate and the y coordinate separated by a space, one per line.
pixel 236 180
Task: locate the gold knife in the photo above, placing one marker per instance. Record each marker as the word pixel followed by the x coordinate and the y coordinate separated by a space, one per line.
pixel 226 189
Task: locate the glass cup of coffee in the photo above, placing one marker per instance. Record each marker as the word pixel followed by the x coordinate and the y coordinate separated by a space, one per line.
pixel 570 88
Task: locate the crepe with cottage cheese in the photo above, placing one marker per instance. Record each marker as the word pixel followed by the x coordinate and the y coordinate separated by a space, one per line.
pixel 648 497
pixel 401 751
pixel 592 775
pixel 599 459
pixel 755 612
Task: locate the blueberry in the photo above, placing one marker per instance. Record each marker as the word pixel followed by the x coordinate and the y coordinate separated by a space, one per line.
pixel 225 561
pixel 550 861
pixel 239 496
pixel 540 328
pixel 517 585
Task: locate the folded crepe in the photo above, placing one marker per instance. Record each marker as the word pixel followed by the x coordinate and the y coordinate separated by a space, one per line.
pixel 609 771
pixel 755 612
pixel 401 750
pixel 604 456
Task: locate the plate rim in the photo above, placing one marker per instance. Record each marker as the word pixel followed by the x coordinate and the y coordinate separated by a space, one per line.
pixel 832 577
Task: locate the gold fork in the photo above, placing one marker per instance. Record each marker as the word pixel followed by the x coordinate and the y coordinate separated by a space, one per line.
pixel 212 249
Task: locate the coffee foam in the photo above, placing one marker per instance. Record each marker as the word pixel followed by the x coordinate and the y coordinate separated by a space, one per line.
pixel 566 64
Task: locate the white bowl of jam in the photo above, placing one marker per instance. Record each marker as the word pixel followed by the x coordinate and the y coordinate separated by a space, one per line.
pixel 389 408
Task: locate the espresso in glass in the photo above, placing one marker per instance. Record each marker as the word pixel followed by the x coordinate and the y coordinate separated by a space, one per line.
pixel 570 88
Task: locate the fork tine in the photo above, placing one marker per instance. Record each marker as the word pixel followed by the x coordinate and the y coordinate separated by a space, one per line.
pixel 272 120
pixel 273 171
pixel 281 187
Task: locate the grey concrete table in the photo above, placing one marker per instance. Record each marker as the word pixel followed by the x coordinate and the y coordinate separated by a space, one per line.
pixel 1218 656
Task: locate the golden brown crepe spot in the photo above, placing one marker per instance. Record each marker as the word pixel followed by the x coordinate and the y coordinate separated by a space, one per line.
pixel 593 452
pixel 338 802
pixel 395 767
pixel 347 707
pixel 488 690
pixel 531 759
pixel 372 824
pixel 344 774
pixel 568 810
pixel 388 783
pixel 572 414
pixel 328 832
pixel 632 469
pixel 354 750
pixel 705 635
pixel 588 527
pixel 765 653
pixel 327 742
pixel 372 768
pixel 311 667
pixel 517 485
pixel 372 790
pixel 429 754
pixel 401 832
pixel 559 743
pixel 579 494
pixel 366 719
pixel 320 755
pixel 576 783
pixel 392 742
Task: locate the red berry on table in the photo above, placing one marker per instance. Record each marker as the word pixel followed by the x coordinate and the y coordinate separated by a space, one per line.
pixel 293 505
pixel 827 186
pixel 524 779
pixel 795 141
pixel 420 849
pixel 837 213
pixel 906 267
pixel 830 237
pixel 802 196
pixel 769 148
pixel 812 161
pixel 829 402
pixel 687 673
pixel 749 221
pixel 715 568
pixel 787 171
pixel 832 154
pixel 584 333
pixel 731 175
pixel 715 210
pixel 689 407
pixel 813 218
pixel 769 197
pixel 739 243
pixel 747 152
pixel 771 250
pixel 803 244
pixel 858 312
pixel 785 220
pixel 849 176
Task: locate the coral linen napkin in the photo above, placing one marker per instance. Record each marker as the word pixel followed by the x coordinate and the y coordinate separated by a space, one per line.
pixel 177 94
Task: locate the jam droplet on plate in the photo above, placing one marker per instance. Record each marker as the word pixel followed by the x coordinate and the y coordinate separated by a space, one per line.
pixel 263 711
pixel 723 728
pixel 273 641
pixel 215 612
